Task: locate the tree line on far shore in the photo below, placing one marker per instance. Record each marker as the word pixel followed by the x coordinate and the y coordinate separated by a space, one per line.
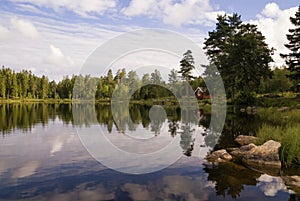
pixel 26 85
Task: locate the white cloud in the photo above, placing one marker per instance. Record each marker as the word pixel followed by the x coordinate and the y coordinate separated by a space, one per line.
pixel 60 48
pixel 26 28
pixel 174 13
pixel 137 7
pixel 83 8
pixel 57 58
pixel 271 10
pixel 190 11
pixel 4 32
pixel 274 24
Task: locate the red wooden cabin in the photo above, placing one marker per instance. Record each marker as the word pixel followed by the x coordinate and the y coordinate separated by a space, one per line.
pixel 200 93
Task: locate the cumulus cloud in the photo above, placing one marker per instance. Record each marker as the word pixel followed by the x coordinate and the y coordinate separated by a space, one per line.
pixel 271 10
pixel 174 13
pixel 56 57
pixel 26 28
pixel 83 8
pixel 274 24
pixel 137 7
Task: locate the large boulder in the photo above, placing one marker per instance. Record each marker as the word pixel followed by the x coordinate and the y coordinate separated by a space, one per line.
pixel 245 139
pixel 263 158
pixel 219 156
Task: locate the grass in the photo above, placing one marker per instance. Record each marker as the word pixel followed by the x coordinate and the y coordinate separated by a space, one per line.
pixel 278 117
pixel 283 127
pixel 288 100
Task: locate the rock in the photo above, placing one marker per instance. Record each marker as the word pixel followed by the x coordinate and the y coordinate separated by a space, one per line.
pixel 293 181
pixel 245 139
pixel 262 158
pixel 239 152
pixel 219 156
pixel 231 149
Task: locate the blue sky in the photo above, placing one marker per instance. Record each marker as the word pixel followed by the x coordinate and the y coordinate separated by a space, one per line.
pixel 56 37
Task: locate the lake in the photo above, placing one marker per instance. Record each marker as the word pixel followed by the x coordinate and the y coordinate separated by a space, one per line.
pixel 44 155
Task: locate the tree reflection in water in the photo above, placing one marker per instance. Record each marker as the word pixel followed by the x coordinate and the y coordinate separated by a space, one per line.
pixel 230 178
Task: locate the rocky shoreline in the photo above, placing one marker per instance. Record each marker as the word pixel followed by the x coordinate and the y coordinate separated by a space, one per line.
pixel 263 158
pixel 260 158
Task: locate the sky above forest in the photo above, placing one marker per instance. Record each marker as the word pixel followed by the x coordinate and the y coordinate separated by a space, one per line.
pixel 55 37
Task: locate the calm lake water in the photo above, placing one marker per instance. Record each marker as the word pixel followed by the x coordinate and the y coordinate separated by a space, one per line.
pixel 43 158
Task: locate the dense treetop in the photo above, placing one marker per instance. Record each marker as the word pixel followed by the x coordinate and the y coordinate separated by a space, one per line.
pixel 292 59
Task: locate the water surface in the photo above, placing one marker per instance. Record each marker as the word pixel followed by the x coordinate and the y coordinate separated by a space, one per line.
pixel 42 157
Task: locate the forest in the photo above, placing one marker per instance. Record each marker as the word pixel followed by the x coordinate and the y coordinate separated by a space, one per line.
pixel 26 85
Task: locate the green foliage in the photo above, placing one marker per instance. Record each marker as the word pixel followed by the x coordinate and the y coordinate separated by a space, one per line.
pixel 25 85
pixel 292 59
pixel 187 65
pixel 279 82
pixel 240 53
pixel 288 100
pixel 245 99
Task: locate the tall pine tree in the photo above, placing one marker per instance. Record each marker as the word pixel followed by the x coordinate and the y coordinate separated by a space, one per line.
pixel 187 65
pixel 292 59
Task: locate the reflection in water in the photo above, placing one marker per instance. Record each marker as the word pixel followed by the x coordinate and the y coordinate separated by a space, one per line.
pixel 157 117
pixel 50 162
pixel 230 178
pixel 27 169
pixel 187 140
pixel 57 145
pixel 271 185
pixel 25 116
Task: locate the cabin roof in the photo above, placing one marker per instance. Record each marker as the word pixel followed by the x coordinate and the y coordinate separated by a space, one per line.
pixel 199 88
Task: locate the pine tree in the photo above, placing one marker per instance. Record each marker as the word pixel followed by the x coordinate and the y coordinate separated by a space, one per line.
pixel 14 86
pixel 292 59
pixel 187 65
pixel 44 84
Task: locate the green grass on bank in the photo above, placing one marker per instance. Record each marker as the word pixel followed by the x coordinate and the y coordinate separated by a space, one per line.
pixel 284 127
